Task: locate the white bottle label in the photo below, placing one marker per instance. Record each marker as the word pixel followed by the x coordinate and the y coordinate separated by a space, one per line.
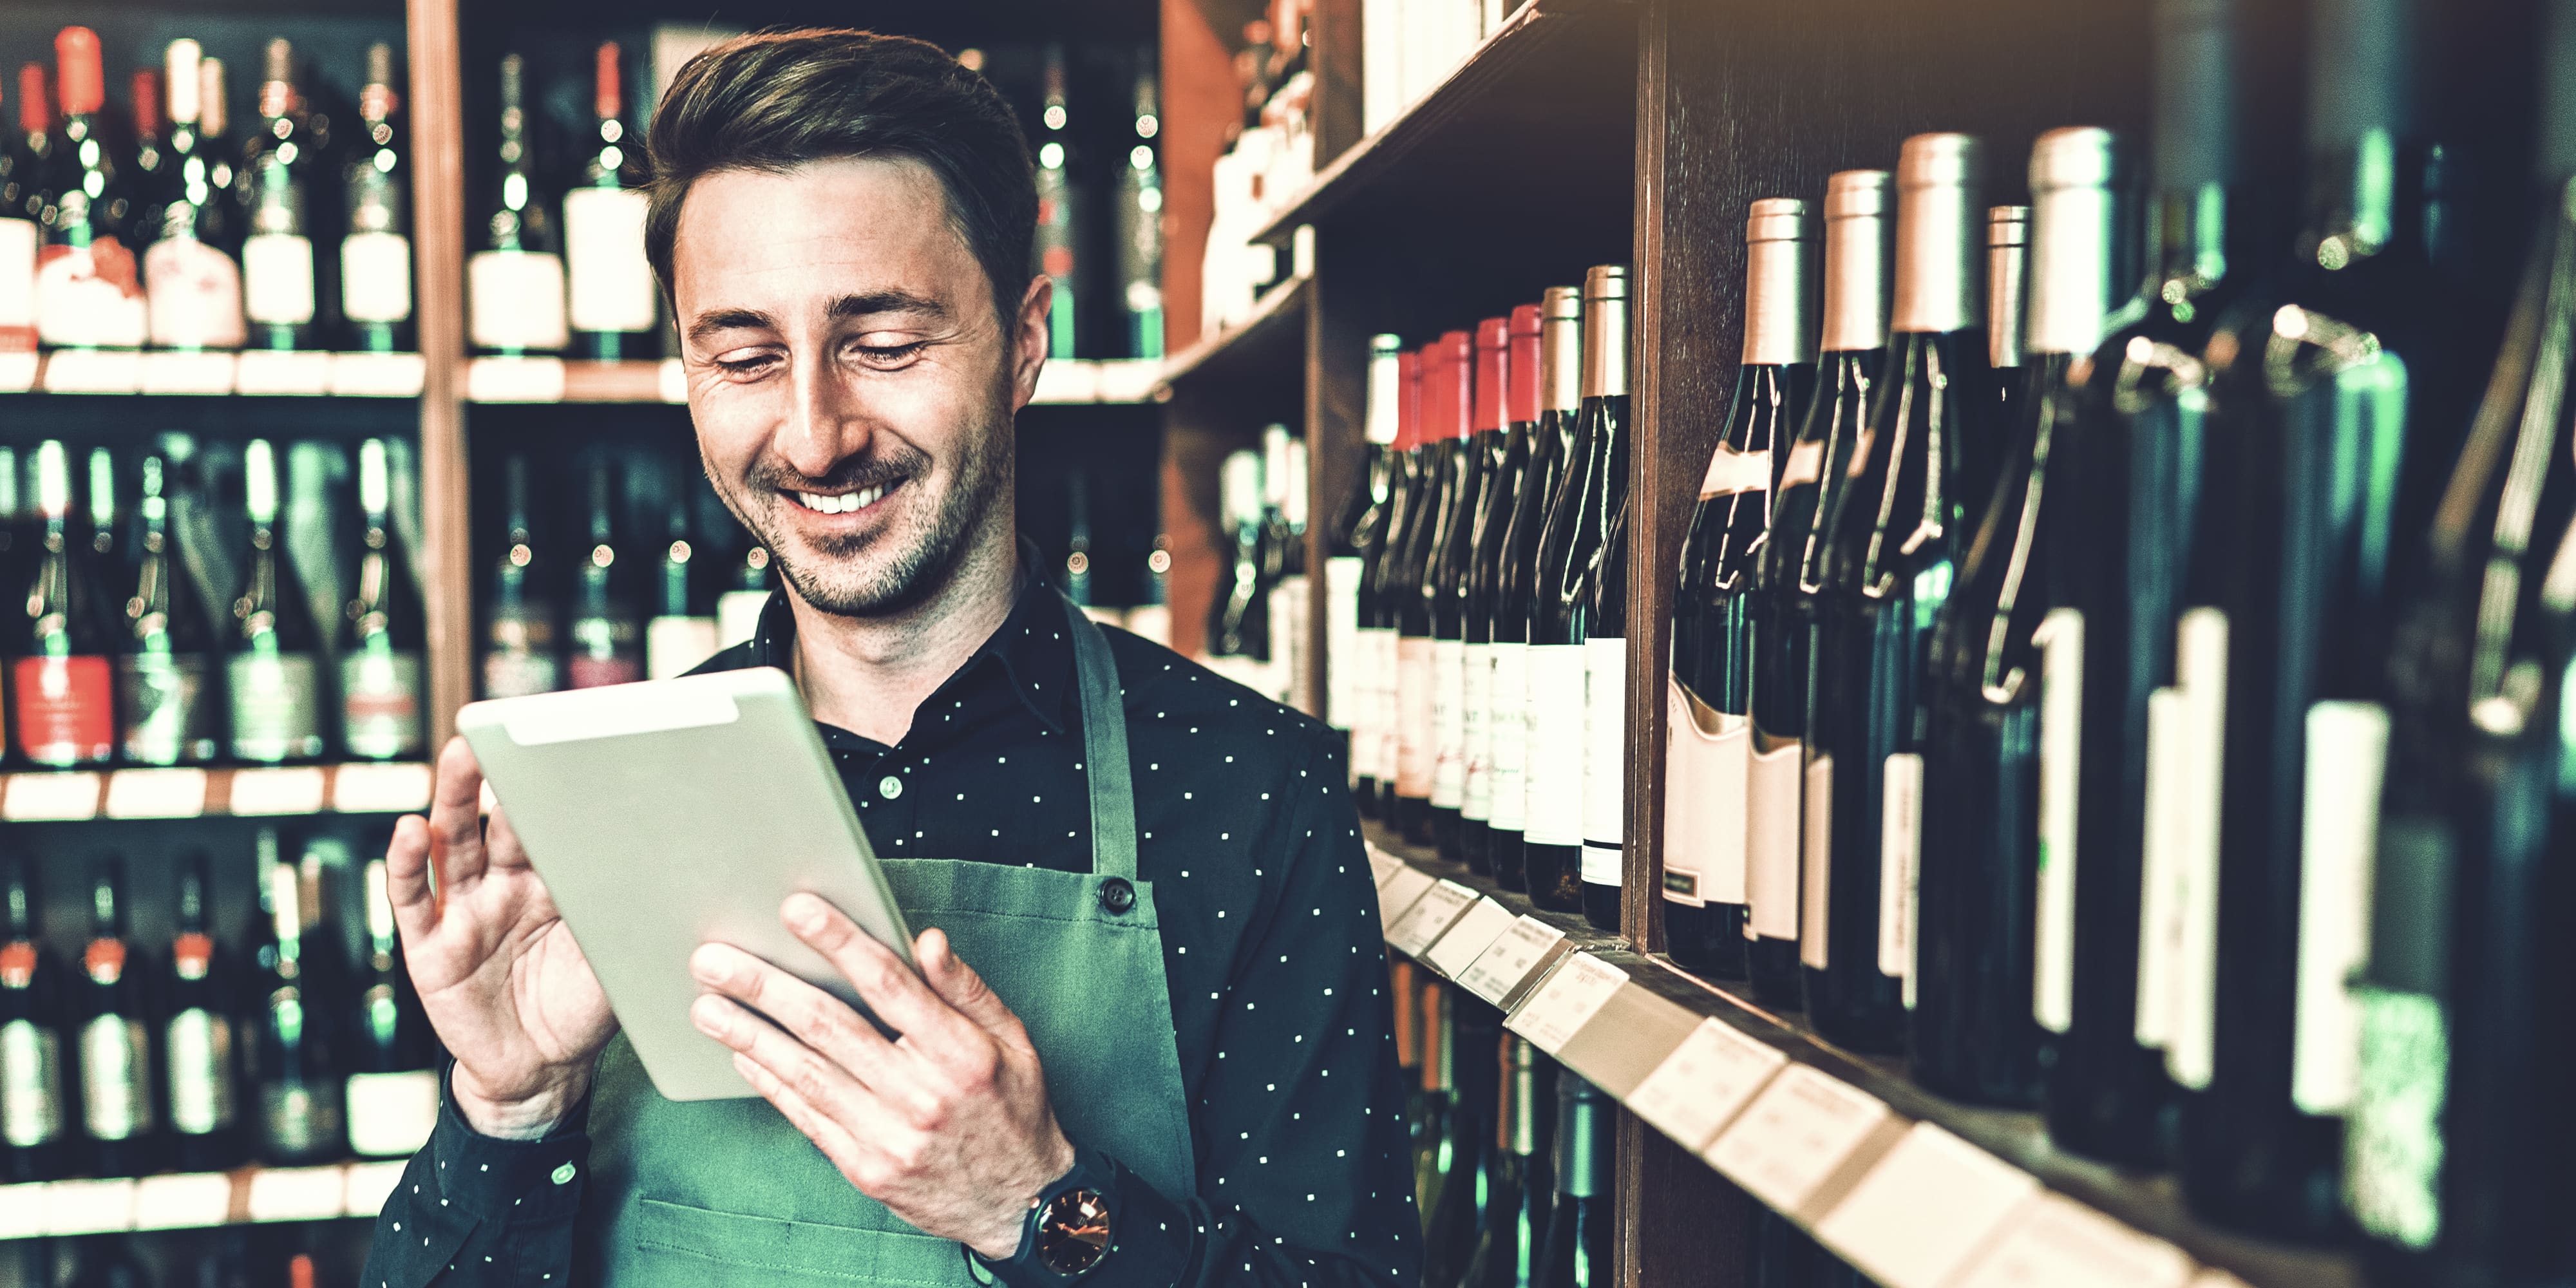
pixel 391 1114
pixel 2160 896
pixel 116 1077
pixel 1772 810
pixel 31 1084
pixel 1554 810
pixel 1341 641
pixel 1289 620
pixel 1390 705
pixel 1448 724
pixel 515 300
pixel 1900 847
pixel 277 279
pixel 1605 741
pixel 200 1056
pixel 1415 753
pixel 195 292
pixel 1816 851
pixel 375 277
pixel 90 299
pixel 1360 666
pixel 2338 838
pixel 1731 473
pixel 18 242
pixel 1706 780
pixel 2061 731
pixel 612 284
pixel 2200 670
pixel 1475 739
pixel 1508 719
pixel 674 645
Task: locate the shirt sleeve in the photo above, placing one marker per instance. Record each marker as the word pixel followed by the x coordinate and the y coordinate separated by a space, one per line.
pixel 477 1209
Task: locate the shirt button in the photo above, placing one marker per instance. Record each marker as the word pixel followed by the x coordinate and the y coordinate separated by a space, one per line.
pixel 1116 895
pixel 563 1174
pixel 889 787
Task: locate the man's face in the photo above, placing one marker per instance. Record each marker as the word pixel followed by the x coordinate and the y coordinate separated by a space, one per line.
pixel 851 384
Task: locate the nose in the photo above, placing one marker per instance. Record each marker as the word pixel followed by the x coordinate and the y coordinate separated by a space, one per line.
pixel 826 426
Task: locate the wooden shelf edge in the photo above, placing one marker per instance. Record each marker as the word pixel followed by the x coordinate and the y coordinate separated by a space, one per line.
pixel 353 1189
pixel 182 792
pixel 1285 301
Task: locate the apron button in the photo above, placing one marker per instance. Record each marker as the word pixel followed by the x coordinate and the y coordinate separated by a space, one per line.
pixel 1116 895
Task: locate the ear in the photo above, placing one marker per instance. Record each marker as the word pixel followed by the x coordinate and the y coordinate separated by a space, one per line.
pixel 1029 340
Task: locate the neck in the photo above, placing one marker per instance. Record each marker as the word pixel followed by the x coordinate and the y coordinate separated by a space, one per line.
pixel 869 674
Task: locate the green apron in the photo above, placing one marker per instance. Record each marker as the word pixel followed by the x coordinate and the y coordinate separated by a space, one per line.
pixel 722 1192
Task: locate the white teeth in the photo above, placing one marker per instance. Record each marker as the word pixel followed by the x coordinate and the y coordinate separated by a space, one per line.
pixel 844 504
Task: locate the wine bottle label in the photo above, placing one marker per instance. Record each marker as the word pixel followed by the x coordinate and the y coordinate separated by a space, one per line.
pixel 518 672
pixel 515 300
pixel 673 646
pixel 1291 616
pixel 2197 763
pixel 31 1084
pixel 277 279
pixel 603 652
pixel 375 277
pixel 1600 864
pixel 168 720
pixel 90 298
pixel 1804 464
pixel 612 284
pixel 1772 803
pixel 1553 814
pixel 1507 723
pixel 301 1120
pixel 1415 753
pixel 1448 723
pixel 2347 745
pixel 19 239
pixel 588 672
pixel 2159 894
pixel 2061 731
pixel 738 616
pixel 391 1114
pixel 66 709
pixel 2393 1150
pixel 115 1077
pixel 277 713
pixel 1341 641
pixel 199 1045
pixel 1732 473
pixel 1475 738
pixel 380 703
pixel 1707 782
pixel 1389 671
pixel 1900 836
pixel 195 294
pixel 1817 862
pixel 1358 669
pixel 1605 743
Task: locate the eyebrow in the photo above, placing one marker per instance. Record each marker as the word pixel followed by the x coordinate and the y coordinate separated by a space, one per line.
pixel 864 304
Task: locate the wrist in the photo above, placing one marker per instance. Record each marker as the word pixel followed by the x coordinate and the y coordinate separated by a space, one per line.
pixel 524 1113
pixel 1010 1228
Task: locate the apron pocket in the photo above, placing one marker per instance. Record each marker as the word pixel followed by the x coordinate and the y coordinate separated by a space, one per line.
pixel 678 1244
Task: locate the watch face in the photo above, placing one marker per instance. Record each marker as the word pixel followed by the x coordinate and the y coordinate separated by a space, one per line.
pixel 1074 1233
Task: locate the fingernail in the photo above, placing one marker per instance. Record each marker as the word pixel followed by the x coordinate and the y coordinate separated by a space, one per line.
pixel 804 912
pixel 708 1015
pixel 704 965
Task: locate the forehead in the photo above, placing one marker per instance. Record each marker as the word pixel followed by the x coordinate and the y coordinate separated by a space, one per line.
pixel 815 232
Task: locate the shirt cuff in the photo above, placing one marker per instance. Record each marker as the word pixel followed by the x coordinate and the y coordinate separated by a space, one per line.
pixel 523 1181
pixel 1152 1240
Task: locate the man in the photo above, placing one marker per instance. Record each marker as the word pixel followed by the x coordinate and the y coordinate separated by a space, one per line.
pixel 1179 1072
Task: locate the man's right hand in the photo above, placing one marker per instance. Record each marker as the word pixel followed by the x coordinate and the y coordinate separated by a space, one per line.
pixel 497 970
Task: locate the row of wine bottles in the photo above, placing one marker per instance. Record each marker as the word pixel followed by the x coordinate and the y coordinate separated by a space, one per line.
pixel 128 1061
pixel 1257 624
pixel 122 660
pixel 262 1256
pixel 164 229
pixel 1477 595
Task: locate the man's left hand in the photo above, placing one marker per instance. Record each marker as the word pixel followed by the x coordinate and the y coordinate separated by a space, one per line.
pixel 948 1126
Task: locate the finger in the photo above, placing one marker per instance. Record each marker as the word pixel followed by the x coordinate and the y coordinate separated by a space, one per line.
pixel 825 1085
pixel 502 848
pixel 407 885
pixel 816 1018
pixel 861 1166
pixel 455 823
pixel 890 988
pixel 961 987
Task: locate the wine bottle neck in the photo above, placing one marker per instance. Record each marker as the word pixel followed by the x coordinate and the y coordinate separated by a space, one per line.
pixel 1605 333
pixel 2374 198
pixel 1937 277
pixel 2074 240
pixel 1582 1152
pixel 2007 268
pixel 2190 244
pixel 1855 296
pixel 1560 359
pixel 1778 328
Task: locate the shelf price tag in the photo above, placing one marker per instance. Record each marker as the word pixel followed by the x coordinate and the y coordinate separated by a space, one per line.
pixel 89 1207
pixel 1927 1206
pixel 22 1210
pixel 94 371
pixel 291 789
pixel 1703 1082
pixel 17 372
pixel 1468 937
pixel 522 380
pixel 183 1201
pixel 1522 948
pixel 50 798
pixel 1397 896
pixel 377 375
pixel 2059 1243
pixel 1431 914
pixel 380 789
pixel 370 1184
pixel 1795 1135
pixel 178 371
pixel 1574 992
pixel 298 1193
pixel 1383 866
pixel 156 793
pixel 297 373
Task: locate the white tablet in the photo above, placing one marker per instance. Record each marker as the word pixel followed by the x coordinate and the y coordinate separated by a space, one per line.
pixel 672 812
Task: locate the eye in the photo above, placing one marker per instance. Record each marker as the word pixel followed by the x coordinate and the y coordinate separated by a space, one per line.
pixel 889 357
pixel 748 363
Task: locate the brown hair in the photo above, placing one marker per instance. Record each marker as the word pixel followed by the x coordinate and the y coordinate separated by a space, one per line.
pixel 778 99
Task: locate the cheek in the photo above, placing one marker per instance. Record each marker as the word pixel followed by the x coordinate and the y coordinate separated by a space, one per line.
pixel 734 423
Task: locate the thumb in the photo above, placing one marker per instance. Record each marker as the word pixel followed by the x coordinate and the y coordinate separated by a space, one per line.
pixel 958 985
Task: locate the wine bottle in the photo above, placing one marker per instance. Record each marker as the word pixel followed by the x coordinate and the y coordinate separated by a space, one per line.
pixel 1059 239
pixel 2325 392
pixel 1605 726
pixel 1431 1139
pixel 33 1011
pixel 1416 751
pixel 1292 592
pixel 1507 373
pixel 739 605
pixel 64 683
pixel 375 251
pixel 1239 627
pixel 1444 584
pixel 1140 220
pixel 1521 1187
pixel 201 1062
pixel 297 1070
pixel 153 173
pixel 88 293
pixel 519 648
pixel 605 637
pixel 107 552
pixel 105 1261
pixel 677 637
pixel 1559 368
pixel 273 674
pixel 170 714
pixel 1813 477
pixel 1353 543
pixel 219 212
pixel 1272 558
pixel 613 302
pixel 1386 575
pixel 1404 992
pixel 1575 1253
pixel 514 281
pixel 22 168
pixel 1077 540
pixel 192 284
pixel 381 632
pixel 1578 522
pixel 1709 694
pixel 1993 904
pixel 1892 540
pixel 1371 668
pixel 1469 1077
pixel 392 1093
pixel 280 298
pixel 2007 283
pixel 117 1098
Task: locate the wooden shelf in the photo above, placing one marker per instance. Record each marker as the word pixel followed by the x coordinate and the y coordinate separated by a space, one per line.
pixel 198 1200
pixel 1916 1190
pixel 127 372
pixel 557 382
pixel 73 796
pixel 1268 347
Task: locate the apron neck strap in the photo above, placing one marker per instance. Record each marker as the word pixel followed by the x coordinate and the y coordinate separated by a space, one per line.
pixel 1104 736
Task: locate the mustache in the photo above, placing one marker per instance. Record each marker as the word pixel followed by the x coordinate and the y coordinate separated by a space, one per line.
pixel 853 474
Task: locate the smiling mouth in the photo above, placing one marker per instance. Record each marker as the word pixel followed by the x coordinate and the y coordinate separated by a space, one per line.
pixel 843 502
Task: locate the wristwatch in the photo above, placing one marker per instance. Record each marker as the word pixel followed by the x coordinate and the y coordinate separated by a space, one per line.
pixel 1068 1228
